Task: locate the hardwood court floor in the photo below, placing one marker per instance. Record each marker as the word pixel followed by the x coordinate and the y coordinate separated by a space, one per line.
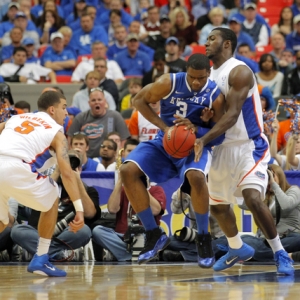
pixel 88 281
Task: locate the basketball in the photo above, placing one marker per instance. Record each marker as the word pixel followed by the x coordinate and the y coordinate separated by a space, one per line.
pixel 179 142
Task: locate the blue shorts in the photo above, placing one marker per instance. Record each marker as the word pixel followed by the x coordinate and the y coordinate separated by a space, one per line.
pixel 159 166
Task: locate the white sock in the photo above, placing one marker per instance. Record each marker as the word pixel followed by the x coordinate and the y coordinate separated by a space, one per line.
pixel 43 246
pixel 275 244
pixel 235 242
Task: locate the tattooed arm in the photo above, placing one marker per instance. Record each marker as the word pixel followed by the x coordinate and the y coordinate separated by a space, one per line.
pixel 60 146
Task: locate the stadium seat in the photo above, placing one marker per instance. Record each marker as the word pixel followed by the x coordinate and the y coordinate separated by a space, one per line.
pixel 269 11
pixel 280 3
pixel 260 50
pixel 63 78
pixel 42 49
pixel 198 49
pixel 272 20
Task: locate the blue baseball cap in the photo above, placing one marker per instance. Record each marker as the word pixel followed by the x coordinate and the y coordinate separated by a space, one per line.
pixel 235 18
pixel 172 39
pixel 28 41
pixel 72 110
pixel 20 14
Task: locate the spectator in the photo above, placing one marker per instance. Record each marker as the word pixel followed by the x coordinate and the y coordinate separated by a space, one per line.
pixel 79 6
pixel 16 36
pixel 291 85
pixel 172 57
pixel 137 28
pixel 268 74
pixel 22 22
pixel 202 8
pixel 132 61
pixel 20 71
pixel 152 25
pixel 258 31
pixel 285 23
pixel 134 86
pixel 293 152
pixel 216 17
pixel 296 8
pixel 73 112
pixel 5 8
pixel 286 62
pixel 27 236
pixel 24 105
pixel 91 11
pixel 50 23
pixel 114 71
pixel 57 58
pixel 112 240
pixel 37 10
pixel 28 44
pixel 84 37
pixel 293 39
pixel 245 50
pixel 67 33
pixel 182 27
pixel 107 155
pixel 139 8
pixel 115 136
pixel 266 98
pixel 80 143
pixel 97 122
pixel 278 44
pixel 25 6
pixel 81 98
pixel 115 20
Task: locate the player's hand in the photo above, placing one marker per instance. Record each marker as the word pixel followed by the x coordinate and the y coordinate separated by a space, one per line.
pixel 77 222
pixel 198 149
pixel 271 176
pixel 206 114
pixel 185 122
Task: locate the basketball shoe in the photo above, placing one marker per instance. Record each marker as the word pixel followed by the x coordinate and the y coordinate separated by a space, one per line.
pixel 283 263
pixel 233 256
pixel 41 265
pixel 155 241
pixel 205 257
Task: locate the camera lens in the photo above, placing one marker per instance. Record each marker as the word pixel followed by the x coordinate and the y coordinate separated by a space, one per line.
pixel 74 162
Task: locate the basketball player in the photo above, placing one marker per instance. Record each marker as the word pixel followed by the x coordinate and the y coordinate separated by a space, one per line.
pixel 185 95
pixel 239 164
pixel 24 143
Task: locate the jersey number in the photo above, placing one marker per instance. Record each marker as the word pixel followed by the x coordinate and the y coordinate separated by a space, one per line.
pixel 182 109
pixel 26 127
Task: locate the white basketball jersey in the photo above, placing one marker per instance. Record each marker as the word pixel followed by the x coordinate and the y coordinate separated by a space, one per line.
pixel 250 122
pixel 28 137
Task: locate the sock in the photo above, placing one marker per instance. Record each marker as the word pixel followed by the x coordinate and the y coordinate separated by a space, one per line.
pixel 202 223
pixel 147 218
pixel 235 242
pixel 275 244
pixel 43 246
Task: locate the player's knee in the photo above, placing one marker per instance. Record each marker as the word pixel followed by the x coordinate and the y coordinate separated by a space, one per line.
pixel 129 171
pixel 253 200
pixel 196 178
pixel 217 210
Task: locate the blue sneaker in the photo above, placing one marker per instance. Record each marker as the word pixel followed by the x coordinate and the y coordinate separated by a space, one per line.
pixel 233 256
pixel 205 257
pixel 155 241
pixel 41 265
pixel 284 263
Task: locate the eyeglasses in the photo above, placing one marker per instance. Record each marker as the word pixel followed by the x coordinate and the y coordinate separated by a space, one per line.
pixel 79 132
pixel 107 146
pixel 96 89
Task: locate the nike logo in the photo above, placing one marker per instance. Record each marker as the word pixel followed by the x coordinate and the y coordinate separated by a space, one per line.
pixel 230 261
pixel 178 92
pixel 50 268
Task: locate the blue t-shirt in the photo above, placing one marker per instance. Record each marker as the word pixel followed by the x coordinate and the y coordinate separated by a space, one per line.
pixel 292 41
pixel 82 41
pixel 8 26
pixel 7 52
pixel 113 50
pixel 126 18
pixel 32 60
pixel 38 9
pixel 133 66
pixel 90 166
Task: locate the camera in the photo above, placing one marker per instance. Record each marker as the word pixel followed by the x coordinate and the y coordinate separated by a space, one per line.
pixel 63 223
pixel 186 234
pixel 74 161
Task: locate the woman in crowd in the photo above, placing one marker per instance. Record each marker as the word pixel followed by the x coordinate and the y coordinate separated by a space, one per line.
pixel 285 23
pixel 78 9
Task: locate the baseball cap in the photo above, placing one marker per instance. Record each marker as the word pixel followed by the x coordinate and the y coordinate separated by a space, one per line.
pixel 28 41
pixel 172 39
pixel 296 19
pixel 72 110
pixel 250 5
pixel 235 18
pixel 132 36
pixel 15 4
pixel 164 18
pixel 55 35
pixel 20 14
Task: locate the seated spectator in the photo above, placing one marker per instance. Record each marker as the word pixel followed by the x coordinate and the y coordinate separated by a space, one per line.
pixel 172 57
pixel 202 8
pixel 79 6
pixel 296 8
pixel 167 8
pixel 98 50
pixel 20 71
pixel 84 37
pixel 50 23
pixel 91 11
pixel 27 235
pixel 293 152
pixel 291 84
pixel 278 44
pixel 286 63
pixel 268 74
pixel 113 240
pixel 24 105
pixel 152 25
pixel 134 86
pixel 139 8
pixel 137 28
pixel 285 23
pixel 266 98
pixel 28 44
pixel 245 54
pixel 107 156
pixel 216 16
pixel 115 136
pixel 108 85
pixel 22 22
pixel 38 9
pixel 67 33
pixel 115 20
pixel 80 143
pixel 57 58
pixel 25 7
pixel 257 30
pixel 97 122
pixel 81 98
pixel 132 61
pixel 182 27
pixel 16 36
pixel 293 39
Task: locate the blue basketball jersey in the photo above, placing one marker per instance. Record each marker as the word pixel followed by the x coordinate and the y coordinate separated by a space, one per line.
pixel 185 102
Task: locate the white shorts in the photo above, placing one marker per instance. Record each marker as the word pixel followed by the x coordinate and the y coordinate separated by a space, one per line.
pixel 235 167
pixel 29 188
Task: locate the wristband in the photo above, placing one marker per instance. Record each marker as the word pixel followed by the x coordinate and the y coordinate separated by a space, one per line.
pixel 78 205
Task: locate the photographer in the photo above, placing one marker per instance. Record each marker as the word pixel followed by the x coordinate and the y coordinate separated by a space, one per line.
pixel 113 240
pixel 63 239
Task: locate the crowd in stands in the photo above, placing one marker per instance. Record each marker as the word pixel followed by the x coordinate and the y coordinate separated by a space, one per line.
pixel 114 48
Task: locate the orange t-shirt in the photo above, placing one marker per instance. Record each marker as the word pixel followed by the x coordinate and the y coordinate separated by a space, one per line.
pixel 284 133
